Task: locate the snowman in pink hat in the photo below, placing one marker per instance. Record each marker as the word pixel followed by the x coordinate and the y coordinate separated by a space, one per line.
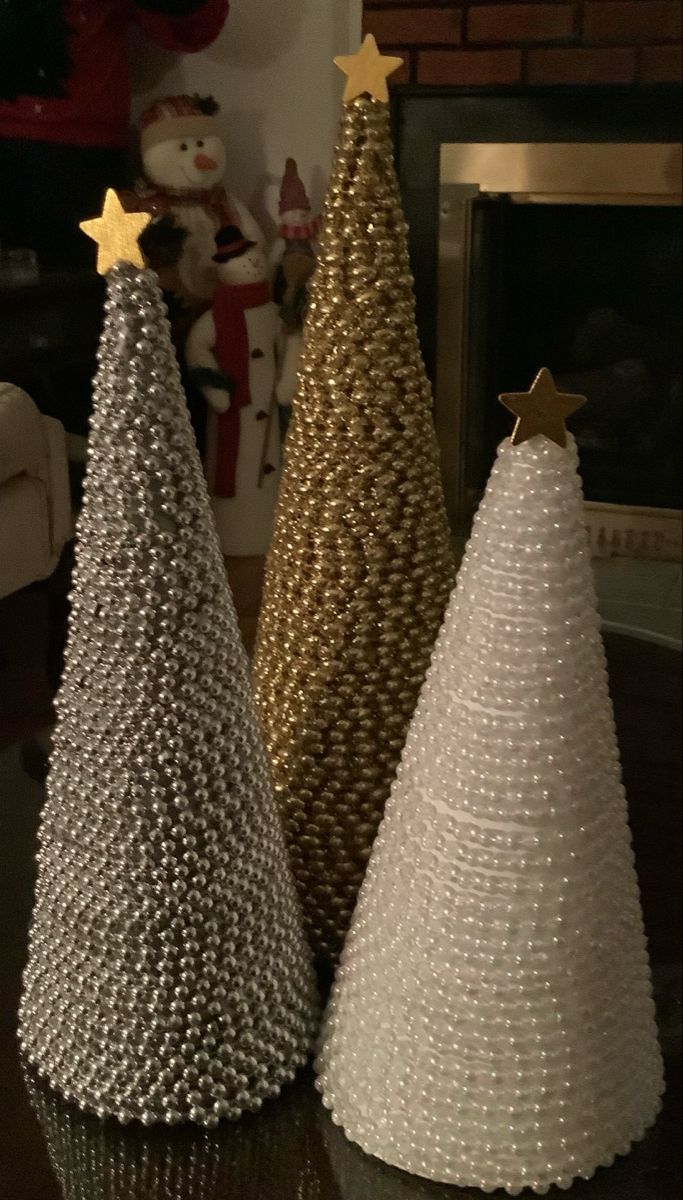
pixel 184 162
pixel 292 255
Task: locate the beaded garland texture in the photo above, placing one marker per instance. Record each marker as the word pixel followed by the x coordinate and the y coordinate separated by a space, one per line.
pixel 492 1023
pixel 99 1160
pixel 168 978
pixel 360 567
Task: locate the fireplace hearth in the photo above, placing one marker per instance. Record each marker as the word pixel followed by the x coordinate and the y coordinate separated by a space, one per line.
pixel 546 232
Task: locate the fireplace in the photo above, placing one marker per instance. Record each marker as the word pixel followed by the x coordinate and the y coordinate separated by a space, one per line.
pixel 546 232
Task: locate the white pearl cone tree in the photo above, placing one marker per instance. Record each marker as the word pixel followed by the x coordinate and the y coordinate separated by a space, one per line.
pixel 492 1023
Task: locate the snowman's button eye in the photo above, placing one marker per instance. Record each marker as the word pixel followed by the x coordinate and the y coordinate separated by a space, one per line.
pixel 199 145
pixel 183 145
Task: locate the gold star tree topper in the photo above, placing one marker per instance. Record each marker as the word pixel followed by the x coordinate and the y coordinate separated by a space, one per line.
pixel 368 71
pixel 116 233
pixel 542 410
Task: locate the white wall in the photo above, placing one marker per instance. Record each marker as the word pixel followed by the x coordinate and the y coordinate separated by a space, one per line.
pixel 271 70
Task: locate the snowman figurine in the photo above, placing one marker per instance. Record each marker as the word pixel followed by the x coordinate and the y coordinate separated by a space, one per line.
pixel 183 161
pixel 245 369
pixel 292 256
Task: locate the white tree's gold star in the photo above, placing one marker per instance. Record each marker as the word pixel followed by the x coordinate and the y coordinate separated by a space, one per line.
pixel 542 410
pixel 368 71
pixel 116 233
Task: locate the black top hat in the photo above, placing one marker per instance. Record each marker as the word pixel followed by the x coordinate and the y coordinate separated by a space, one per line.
pixel 231 243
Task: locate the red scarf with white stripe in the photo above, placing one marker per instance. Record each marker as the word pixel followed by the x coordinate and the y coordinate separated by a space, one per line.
pixel 301 233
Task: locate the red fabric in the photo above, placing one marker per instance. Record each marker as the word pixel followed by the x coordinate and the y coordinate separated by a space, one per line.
pixel 96 110
pixel 231 351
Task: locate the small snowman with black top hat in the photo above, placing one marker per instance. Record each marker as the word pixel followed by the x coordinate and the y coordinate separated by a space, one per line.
pixel 245 368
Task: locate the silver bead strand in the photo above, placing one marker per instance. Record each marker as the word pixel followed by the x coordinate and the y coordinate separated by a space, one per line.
pixel 168 978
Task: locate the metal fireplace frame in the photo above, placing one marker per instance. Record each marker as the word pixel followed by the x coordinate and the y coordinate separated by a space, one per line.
pixel 610 146
pixel 526 173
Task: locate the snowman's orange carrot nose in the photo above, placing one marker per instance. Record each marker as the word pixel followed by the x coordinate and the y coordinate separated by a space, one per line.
pixel 204 163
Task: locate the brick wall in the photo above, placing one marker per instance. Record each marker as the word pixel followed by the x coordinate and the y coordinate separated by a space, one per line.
pixel 481 42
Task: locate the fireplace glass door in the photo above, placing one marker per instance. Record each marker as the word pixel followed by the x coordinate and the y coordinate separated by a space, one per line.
pixel 567 257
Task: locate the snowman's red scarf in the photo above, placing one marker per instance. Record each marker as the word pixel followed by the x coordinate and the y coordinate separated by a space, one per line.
pixel 230 303
pixel 214 200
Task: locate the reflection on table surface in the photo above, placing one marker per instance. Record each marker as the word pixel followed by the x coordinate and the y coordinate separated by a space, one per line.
pixel 289 1151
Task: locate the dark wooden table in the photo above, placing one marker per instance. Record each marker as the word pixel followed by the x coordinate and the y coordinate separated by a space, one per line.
pixel 291 1151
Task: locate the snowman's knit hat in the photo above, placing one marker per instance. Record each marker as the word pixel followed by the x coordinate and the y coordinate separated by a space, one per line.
pixel 174 117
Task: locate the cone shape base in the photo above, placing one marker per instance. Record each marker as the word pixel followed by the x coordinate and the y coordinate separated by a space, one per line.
pixel 492 1023
pixel 360 567
pixel 168 977
pixel 102 1160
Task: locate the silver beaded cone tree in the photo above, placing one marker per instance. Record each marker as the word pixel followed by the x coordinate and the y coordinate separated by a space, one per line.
pixel 278 1156
pixel 492 1024
pixel 99 1160
pixel 360 566
pixel 168 977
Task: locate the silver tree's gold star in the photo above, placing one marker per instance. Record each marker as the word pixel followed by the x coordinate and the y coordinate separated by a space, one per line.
pixel 368 71
pixel 116 233
pixel 541 410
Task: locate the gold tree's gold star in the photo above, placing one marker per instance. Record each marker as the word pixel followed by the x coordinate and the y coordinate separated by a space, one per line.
pixel 368 71
pixel 542 410
pixel 116 233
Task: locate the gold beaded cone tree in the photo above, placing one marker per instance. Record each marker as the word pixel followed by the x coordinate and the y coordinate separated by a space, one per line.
pixel 168 977
pixel 360 566
pixel 492 1024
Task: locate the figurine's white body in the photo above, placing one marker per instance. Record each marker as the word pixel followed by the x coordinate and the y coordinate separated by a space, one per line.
pixel 245 520
pixel 197 164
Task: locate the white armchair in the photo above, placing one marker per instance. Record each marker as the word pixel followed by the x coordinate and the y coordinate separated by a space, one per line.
pixel 35 509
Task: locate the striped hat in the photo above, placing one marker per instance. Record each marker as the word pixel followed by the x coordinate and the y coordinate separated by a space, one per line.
pixel 175 117
pixel 293 193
